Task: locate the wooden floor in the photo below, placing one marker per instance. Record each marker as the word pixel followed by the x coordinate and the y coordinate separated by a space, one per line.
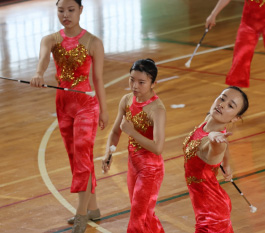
pixel 34 170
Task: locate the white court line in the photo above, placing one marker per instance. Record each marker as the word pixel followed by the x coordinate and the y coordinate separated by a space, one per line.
pixel 194 26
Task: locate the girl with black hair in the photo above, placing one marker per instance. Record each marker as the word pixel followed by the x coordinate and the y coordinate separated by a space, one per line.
pixel 142 116
pixel 74 51
pixel 204 151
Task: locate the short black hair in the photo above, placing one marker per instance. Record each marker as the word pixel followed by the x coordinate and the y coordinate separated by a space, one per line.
pixel 79 2
pixel 146 65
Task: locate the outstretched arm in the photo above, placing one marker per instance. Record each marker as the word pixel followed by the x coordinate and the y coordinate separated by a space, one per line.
pixel 210 21
pixel 157 144
pixel 44 60
pixel 97 52
pixel 217 146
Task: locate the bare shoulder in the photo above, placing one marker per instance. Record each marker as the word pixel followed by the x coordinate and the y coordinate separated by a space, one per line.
pixel 127 99
pixel 48 41
pixel 96 43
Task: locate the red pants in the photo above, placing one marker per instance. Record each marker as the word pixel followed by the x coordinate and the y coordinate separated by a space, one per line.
pixel 246 41
pixel 252 25
pixel 78 120
pixel 145 175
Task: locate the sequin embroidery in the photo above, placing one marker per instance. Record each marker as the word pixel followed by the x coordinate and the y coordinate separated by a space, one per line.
pixel 193 179
pixel 141 123
pixel 190 148
pixel 69 61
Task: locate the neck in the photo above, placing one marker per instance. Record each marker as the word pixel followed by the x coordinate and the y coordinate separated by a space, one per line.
pixel 214 126
pixel 73 32
pixel 145 97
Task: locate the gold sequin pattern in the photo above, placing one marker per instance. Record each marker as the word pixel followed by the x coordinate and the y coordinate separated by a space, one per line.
pixel 260 2
pixel 215 170
pixel 141 123
pixel 69 61
pixel 193 179
pixel 190 148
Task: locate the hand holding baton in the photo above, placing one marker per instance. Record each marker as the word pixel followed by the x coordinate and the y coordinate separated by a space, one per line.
pixel 111 150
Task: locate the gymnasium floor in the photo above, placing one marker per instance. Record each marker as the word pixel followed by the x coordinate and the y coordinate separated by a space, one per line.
pixel 35 175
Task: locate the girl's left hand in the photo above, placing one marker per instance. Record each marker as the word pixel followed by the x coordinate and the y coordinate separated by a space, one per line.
pixel 228 172
pixel 103 120
pixel 126 126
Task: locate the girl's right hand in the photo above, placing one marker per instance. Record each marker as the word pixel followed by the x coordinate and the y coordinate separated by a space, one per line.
pixel 37 81
pixel 106 162
pixel 210 22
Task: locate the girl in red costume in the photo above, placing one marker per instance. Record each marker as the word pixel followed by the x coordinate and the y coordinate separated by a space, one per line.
pixel 74 51
pixel 142 116
pixel 252 25
pixel 204 150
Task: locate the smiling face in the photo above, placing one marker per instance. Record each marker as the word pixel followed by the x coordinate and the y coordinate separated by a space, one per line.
pixel 141 85
pixel 226 107
pixel 69 13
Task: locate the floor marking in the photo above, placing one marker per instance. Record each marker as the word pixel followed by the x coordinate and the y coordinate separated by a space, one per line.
pixel 167 79
pixel 195 26
pixel 11 197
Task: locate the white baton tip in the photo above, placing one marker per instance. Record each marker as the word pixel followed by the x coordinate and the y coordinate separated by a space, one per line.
pixel 187 64
pixel 112 148
pixel 253 209
pixel 66 89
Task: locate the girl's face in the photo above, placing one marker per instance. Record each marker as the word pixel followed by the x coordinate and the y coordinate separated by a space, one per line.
pixel 69 13
pixel 226 107
pixel 140 84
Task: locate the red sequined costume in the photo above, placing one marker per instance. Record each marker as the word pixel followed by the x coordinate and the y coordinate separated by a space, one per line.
pixel 211 204
pixel 252 25
pixel 145 169
pixel 77 113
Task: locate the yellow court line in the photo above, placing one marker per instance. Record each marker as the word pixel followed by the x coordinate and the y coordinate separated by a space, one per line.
pixel 12 197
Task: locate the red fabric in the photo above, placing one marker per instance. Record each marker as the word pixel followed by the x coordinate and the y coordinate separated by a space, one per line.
pixel 145 175
pixel 78 119
pixel 252 25
pixel 211 204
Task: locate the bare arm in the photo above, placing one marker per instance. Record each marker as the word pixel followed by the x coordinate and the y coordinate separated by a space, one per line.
pixel 210 21
pixel 44 60
pixel 97 52
pixel 217 146
pixel 114 135
pixel 226 165
pixel 157 144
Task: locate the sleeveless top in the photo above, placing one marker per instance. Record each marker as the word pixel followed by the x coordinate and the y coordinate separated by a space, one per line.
pixel 72 59
pixel 141 118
